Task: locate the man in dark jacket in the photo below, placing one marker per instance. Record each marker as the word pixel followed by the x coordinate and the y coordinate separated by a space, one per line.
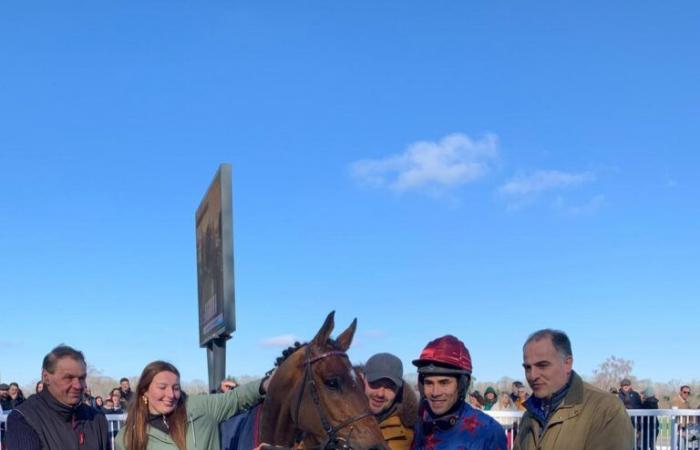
pixel 629 396
pixel 5 400
pixel 56 418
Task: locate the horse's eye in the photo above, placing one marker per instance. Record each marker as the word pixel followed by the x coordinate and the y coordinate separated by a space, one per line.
pixel 332 384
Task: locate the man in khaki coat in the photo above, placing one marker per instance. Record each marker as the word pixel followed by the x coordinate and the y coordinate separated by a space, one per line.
pixel 564 412
pixel 680 401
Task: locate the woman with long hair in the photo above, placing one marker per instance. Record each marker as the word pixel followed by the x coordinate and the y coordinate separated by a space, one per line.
pixel 162 417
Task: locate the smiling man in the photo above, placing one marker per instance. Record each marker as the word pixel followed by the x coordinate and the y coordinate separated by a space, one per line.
pixel 56 418
pixel 392 402
pixel 446 421
pixel 563 411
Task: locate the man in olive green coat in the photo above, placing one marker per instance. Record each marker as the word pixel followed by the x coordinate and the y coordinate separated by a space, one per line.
pixel 564 412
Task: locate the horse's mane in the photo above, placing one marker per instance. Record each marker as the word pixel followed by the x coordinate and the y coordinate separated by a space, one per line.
pixel 297 345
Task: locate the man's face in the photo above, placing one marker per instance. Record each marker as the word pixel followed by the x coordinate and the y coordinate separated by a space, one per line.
pixel 4 393
pixel 67 383
pixel 381 394
pixel 626 388
pixel 546 370
pixel 685 392
pixel 441 392
pixel 125 385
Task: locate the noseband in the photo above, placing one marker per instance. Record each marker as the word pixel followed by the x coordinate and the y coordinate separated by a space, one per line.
pixel 332 441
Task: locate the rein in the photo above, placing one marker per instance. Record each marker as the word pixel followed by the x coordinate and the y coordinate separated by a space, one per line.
pixel 332 441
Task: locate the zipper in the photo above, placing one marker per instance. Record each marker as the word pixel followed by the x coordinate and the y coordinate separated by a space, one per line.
pixel 194 435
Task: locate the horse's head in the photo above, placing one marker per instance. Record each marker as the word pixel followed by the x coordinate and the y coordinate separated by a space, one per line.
pixel 317 390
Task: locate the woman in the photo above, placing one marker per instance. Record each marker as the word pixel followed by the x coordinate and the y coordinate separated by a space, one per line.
pixel 16 395
pixel 162 417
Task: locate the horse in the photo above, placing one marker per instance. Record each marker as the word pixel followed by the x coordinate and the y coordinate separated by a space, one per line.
pixel 315 400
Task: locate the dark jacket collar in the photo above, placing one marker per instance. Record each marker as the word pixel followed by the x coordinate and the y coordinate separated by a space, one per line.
pixel 570 394
pixel 65 412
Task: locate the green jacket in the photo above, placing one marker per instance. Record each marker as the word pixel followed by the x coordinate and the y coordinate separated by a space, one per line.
pixel 587 419
pixel 204 413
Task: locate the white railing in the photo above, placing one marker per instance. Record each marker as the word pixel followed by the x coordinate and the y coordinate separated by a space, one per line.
pixel 656 429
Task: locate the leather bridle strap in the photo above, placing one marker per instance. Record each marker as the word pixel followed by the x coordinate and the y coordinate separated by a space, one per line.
pixel 331 431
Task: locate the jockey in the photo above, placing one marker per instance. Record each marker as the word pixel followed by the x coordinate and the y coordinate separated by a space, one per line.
pixel 446 421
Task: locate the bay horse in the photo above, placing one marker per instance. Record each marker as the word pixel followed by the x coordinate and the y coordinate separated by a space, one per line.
pixel 315 400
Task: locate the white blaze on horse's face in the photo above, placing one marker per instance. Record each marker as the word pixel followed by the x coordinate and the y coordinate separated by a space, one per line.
pixel 353 376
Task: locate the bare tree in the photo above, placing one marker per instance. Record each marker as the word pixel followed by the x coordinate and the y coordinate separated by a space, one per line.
pixel 611 371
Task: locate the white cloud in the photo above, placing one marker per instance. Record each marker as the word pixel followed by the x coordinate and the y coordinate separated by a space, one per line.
pixel 453 161
pixel 543 180
pixel 284 340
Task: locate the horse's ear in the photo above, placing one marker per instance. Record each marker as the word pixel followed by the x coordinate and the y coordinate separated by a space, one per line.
pixel 345 338
pixel 325 332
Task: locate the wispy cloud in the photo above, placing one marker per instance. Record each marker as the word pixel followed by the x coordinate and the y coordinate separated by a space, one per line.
pixel 524 189
pixel 284 340
pixel 543 180
pixel 453 161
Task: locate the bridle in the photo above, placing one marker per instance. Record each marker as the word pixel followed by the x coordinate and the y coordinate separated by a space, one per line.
pixel 333 440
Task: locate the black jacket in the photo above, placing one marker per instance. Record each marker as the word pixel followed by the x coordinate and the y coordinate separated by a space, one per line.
pixel 632 400
pixel 42 422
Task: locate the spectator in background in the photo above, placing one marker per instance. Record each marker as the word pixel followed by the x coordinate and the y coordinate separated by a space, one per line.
pixel 681 401
pixel 489 398
pixel 125 387
pixel 522 398
pixel 5 401
pixel 108 406
pixel 629 396
pixel 650 425
pixel 476 400
pixel 515 389
pixel 114 403
pixel 99 403
pixel 16 395
pixel 505 404
pixel 39 387
pixel 116 396
pixel 56 418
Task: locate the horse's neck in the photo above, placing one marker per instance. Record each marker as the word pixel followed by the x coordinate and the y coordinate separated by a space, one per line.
pixel 276 426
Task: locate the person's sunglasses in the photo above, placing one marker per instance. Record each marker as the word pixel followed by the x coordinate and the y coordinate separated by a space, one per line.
pixel 685 392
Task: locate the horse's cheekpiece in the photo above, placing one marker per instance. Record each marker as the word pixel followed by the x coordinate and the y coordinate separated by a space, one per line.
pixel 333 441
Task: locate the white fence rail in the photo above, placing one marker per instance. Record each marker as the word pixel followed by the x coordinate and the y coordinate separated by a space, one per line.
pixel 656 429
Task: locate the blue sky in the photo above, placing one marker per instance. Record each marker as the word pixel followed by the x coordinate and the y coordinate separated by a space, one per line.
pixel 477 168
